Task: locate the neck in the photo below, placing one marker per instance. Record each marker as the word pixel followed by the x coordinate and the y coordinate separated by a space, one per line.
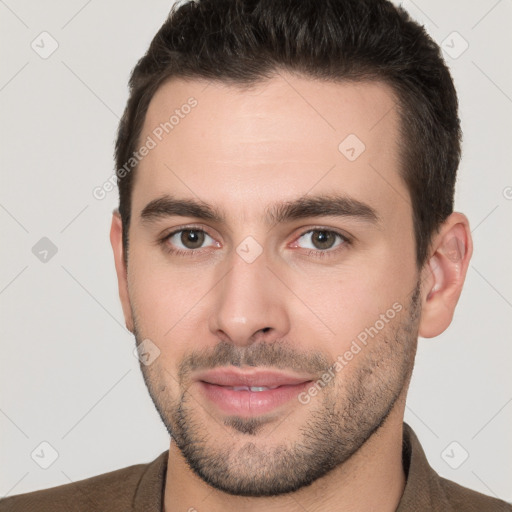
pixel 372 479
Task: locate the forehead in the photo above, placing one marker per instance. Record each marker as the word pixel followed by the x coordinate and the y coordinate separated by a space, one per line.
pixel 278 140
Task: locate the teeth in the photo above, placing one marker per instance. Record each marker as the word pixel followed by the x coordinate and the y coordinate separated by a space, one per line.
pixel 250 388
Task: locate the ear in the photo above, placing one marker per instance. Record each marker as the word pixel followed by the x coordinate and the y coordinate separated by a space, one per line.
pixel 116 239
pixel 444 273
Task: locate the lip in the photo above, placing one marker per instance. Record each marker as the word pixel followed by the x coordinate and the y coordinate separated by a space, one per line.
pixel 255 377
pixel 215 387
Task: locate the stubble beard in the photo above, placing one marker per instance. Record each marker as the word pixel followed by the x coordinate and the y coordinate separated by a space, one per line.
pixel 342 417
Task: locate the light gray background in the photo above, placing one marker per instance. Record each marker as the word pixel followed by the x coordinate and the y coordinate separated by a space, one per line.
pixel 67 372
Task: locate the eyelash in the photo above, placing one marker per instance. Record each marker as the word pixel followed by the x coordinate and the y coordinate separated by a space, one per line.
pixel 318 253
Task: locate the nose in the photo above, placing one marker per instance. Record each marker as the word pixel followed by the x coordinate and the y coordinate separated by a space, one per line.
pixel 248 305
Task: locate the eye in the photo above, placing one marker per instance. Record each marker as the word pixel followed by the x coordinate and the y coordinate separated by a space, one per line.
pixel 320 239
pixel 189 239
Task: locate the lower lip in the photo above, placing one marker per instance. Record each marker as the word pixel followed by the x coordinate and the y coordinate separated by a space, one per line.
pixel 251 403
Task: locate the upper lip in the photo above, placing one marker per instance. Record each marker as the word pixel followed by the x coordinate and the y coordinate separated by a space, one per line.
pixel 236 377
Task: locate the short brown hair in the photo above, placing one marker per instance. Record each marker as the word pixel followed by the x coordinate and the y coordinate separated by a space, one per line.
pixel 242 42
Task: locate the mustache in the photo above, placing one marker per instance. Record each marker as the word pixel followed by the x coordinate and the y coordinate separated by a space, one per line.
pixel 278 354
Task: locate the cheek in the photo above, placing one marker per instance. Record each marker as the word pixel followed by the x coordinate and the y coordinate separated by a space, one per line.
pixel 162 296
pixel 345 302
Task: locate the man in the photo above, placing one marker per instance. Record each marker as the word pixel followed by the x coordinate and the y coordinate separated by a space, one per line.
pixel 285 233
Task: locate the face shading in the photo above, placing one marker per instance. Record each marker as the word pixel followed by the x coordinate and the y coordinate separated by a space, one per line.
pixel 271 232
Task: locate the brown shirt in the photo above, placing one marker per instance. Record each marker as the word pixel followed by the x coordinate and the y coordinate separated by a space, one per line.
pixel 141 488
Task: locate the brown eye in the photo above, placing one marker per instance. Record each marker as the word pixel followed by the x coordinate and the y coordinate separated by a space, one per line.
pixel 189 241
pixel 323 239
pixel 192 238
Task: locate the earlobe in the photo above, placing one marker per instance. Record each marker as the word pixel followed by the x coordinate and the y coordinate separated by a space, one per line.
pixel 444 275
pixel 116 240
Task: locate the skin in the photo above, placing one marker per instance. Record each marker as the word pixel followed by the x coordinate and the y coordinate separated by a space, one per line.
pixel 241 151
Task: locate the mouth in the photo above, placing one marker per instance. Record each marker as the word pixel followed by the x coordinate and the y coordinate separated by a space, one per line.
pixel 249 388
pixel 235 392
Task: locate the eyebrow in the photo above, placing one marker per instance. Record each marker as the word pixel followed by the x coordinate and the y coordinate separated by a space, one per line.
pixel 301 208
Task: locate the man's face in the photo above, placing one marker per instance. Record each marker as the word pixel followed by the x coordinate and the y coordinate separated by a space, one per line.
pixel 304 258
